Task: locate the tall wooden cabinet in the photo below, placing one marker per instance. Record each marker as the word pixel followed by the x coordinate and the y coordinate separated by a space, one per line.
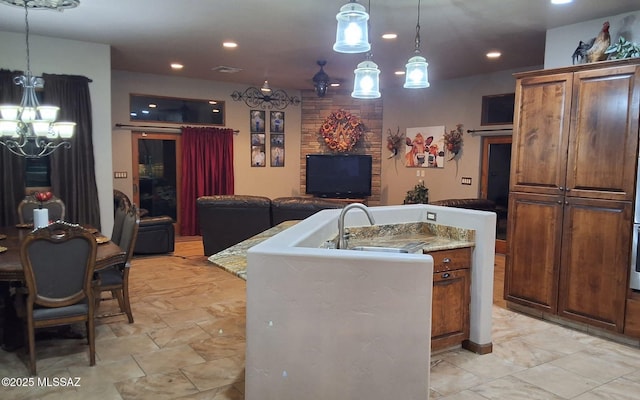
pixel 574 156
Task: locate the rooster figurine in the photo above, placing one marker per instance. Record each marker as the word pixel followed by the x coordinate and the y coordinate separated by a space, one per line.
pixel 594 49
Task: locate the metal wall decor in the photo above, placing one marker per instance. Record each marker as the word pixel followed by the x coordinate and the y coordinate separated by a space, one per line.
pixel 265 97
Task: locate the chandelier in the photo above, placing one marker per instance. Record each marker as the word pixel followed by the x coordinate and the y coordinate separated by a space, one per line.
pixel 30 130
pixel 265 97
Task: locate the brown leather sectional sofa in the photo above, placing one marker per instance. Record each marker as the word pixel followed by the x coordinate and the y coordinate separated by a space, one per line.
pixel 226 220
pixel 473 204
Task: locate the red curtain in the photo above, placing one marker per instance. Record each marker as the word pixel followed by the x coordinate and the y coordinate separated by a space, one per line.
pixel 207 169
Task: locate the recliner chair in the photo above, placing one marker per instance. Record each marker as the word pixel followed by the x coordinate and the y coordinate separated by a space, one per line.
pixel 156 235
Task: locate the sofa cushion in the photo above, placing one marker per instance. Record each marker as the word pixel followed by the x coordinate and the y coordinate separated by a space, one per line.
pixel 473 204
pixel 229 219
pixel 296 208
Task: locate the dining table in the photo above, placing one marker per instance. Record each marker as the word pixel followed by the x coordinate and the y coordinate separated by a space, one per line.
pixel 108 254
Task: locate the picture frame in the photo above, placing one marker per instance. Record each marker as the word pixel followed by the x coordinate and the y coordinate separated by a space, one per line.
pixel 258 152
pixel 425 147
pixel 276 121
pixel 257 122
pixel 277 150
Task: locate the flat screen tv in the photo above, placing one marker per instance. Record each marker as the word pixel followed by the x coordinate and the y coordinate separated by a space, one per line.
pixel 339 176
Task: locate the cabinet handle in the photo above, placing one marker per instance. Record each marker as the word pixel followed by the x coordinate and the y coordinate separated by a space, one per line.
pixel 446 260
pixel 566 203
pixel 568 189
pixel 559 201
pixel 446 275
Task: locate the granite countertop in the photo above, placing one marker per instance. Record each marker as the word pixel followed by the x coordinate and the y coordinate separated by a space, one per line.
pixel 234 259
pixel 436 237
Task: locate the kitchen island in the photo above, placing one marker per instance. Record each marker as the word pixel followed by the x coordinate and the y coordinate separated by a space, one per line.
pixel 324 323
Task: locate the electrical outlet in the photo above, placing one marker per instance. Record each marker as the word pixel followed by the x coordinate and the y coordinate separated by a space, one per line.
pixel 431 216
pixel 466 180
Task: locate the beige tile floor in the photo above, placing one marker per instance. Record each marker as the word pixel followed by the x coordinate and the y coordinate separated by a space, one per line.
pixel 188 342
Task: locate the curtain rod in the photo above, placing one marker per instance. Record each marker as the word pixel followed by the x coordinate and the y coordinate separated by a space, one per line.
pixel 171 128
pixel 489 130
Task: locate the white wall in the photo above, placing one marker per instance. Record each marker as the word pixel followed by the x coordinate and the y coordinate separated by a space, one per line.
pixel 59 56
pixel 261 181
pixel 444 103
pixel 562 42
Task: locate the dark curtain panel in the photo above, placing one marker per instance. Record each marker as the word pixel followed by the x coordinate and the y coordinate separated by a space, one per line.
pixel 207 169
pixel 73 177
pixel 12 177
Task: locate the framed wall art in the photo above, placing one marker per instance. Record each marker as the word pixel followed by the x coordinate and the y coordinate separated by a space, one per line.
pixel 277 122
pixel 257 121
pixel 277 150
pixel 425 147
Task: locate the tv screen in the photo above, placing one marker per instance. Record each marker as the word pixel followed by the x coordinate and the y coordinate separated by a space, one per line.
pixel 339 176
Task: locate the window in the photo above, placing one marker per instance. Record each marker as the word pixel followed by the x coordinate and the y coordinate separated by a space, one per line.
pixel 176 110
pixel 498 109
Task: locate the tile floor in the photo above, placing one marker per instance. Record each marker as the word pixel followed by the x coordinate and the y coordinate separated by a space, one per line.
pixel 188 342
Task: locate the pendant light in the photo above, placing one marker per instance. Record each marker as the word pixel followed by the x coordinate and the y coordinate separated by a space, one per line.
pixel 352 34
pixel 366 84
pixel 321 80
pixel 417 76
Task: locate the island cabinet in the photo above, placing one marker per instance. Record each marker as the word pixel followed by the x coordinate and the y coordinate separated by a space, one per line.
pixel 451 298
pixel 572 182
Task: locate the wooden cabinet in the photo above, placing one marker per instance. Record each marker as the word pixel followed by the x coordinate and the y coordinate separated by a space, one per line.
pixel 451 298
pixel 572 184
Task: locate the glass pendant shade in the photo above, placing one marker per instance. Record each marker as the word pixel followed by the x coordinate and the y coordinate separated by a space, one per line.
pixel 352 34
pixel 366 84
pixel 417 75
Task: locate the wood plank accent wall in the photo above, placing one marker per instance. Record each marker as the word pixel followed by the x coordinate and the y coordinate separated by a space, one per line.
pixel 314 111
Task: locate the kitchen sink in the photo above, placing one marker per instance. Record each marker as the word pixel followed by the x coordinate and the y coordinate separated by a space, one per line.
pixel 415 247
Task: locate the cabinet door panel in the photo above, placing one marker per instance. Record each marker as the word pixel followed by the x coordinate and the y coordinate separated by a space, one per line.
pixel 596 244
pixel 541 134
pixel 604 133
pixel 535 226
pixel 450 309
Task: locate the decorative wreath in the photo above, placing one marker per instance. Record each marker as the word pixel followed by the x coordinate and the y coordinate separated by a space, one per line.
pixel 341 130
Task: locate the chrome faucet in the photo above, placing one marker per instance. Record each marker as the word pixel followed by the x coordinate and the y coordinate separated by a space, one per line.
pixel 342 236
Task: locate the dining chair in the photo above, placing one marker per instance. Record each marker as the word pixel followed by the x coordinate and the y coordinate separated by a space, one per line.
pixel 118 222
pixel 58 262
pixel 116 279
pixel 55 206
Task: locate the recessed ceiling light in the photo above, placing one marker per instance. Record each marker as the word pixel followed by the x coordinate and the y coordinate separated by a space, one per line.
pixel 151 105
pixel 494 54
pixel 230 45
pixel 400 72
pixel 213 102
pixel 335 84
pixel 389 36
pixel 176 66
pixel 561 1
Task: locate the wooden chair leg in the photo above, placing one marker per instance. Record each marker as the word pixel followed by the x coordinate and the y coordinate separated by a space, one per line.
pixel 91 337
pixel 31 338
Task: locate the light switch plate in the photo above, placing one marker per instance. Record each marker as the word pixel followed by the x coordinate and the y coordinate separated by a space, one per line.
pixel 466 180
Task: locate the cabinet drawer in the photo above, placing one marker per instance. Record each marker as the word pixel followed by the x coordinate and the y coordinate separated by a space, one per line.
pixel 449 260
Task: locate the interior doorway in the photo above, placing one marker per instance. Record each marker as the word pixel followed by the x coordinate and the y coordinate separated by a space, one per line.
pixel 156 170
pixel 496 167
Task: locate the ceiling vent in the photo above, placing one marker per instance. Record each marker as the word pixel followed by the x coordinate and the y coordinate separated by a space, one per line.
pixel 226 70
